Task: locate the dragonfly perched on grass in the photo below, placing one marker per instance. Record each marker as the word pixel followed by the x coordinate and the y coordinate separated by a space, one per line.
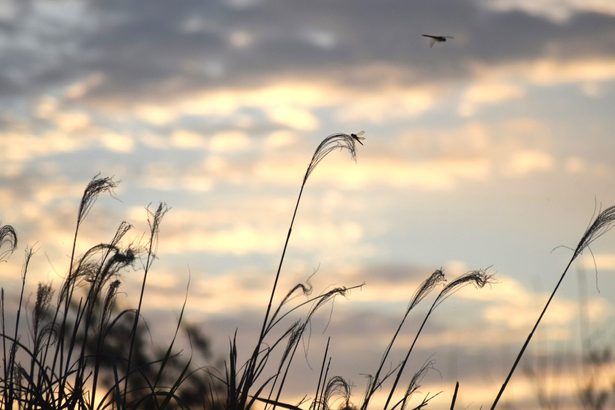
pixel 358 136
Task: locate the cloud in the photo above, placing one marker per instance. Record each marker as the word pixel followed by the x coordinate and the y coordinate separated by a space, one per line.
pixel 379 170
pixel 178 49
pixel 498 315
pixel 575 165
pixel 187 139
pixel 552 71
pixel 600 261
pixel 57 131
pixel 493 84
pixel 22 146
pixel 230 141
pixel 297 118
pixel 487 93
pixel 240 233
pixel 529 161
pixel 279 140
pixel 286 104
pixel 428 159
pixel 511 305
pixel 387 104
pixel 558 11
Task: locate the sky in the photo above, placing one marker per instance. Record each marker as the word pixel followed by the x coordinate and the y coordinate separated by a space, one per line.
pixel 492 150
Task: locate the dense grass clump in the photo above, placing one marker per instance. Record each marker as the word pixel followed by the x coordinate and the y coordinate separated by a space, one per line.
pixel 79 349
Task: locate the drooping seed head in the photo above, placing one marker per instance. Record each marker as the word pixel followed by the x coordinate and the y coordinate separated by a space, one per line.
pixel 331 143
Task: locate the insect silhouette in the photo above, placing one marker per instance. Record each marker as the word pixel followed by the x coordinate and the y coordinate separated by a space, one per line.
pixel 358 136
pixel 436 39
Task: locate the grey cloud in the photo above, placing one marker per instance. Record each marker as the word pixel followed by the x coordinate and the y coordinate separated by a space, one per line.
pixel 153 49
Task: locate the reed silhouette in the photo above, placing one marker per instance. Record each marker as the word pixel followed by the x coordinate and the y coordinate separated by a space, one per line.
pixel 84 351
pixel 76 354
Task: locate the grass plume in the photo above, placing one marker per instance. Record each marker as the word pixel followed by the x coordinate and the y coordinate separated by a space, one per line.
pixel 253 368
pixel 478 278
pixel 8 239
pixel 601 225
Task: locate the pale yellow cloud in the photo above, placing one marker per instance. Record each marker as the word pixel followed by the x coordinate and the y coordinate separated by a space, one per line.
pixel 553 72
pixel 240 239
pixel 549 71
pixel 46 107
pixel 557 10
pixel 598 261
pixel 294 117
pixel 116 142
pixel 381 170
pixel 528 161
pixel 386 104
pixel 234 293
pixel 24 146
pixel 473 393
pixel 255 226
pixel 575 165
pixel 186 139
pixel 435 160
pixel 165 176
pixel 510 304
pixel 419 159
pixel 70 121
pixel 79 88
pixel 156 141
pixel 229 141
pixel 437 174
pixel 508 82
pixel 293 103
pixel 560 384
pixel 155 114
pixel 482 93
pixel 279 139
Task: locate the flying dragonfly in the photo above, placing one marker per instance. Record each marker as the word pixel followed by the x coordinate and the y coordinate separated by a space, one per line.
pixel 358 136
pixel 436 39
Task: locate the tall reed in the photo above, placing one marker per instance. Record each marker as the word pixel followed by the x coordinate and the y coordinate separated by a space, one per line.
pixel 601 225
pixel 241 395
pixel 478 278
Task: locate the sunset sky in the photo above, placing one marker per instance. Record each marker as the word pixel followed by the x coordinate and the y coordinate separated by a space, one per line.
pixel 487 151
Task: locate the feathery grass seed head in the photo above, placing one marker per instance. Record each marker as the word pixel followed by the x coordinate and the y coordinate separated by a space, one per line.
pixel 427 286
pixel 331 143
pixel 602 224
pixel 8 236
pixel 96 187
pixel 478 278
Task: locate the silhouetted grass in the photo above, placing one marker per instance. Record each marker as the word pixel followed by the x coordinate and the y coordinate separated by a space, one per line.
pixel 84 351
pixel 76 355
pixel 601 225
